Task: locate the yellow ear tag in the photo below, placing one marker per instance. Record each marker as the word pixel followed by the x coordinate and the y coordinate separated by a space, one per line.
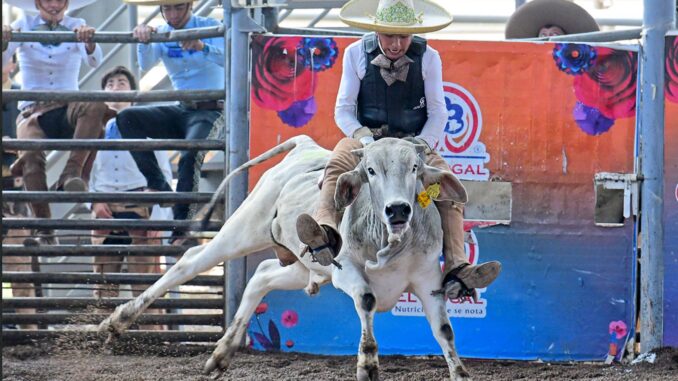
pixel 433 190
pixel 423 199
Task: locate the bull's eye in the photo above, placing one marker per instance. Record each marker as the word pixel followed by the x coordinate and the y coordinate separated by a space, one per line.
pixel 371 171
pixel 414 169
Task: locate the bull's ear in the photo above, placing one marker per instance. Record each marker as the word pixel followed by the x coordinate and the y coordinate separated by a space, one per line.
pixel 348 188
pixel 451 189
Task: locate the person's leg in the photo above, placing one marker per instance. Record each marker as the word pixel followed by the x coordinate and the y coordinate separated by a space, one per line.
pixel 457 266
pixel 157 122
pixel 31 165
pixel 320 232
pixel 87 121
pixel 198 125
pixel 10 263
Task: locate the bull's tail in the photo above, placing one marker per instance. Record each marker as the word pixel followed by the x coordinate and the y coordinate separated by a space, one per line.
pixel 208 209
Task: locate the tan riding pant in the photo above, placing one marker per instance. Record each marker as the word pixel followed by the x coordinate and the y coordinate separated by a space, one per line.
pixel 343 160
pixel 87 119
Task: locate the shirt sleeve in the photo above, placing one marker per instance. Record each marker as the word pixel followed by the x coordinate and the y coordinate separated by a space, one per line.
pixel 148 55
pixel 435 99
pixel 215 46
pixel 12 46
pixel 94 59
pixel 345 109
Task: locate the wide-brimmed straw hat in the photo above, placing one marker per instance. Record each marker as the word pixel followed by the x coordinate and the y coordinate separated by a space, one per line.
pixel 395 16
pixel 531 17
pixel 29 5
pixel 157 2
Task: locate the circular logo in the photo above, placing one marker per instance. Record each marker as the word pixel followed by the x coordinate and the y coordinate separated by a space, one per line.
pixel 464 119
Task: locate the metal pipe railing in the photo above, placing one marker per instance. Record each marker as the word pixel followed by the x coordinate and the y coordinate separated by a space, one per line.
pixel 137 197
pixel 112 144
pixel 107 278
pixel 76 303
pixel 136 337
pixel 602 36
pixel 92 250
pixel 92 318
pixel 112 224
pixel 112 96
pixel 119 37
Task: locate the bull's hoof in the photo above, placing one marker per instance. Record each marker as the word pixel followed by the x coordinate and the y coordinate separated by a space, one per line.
pixel 368 373
pixel 219 361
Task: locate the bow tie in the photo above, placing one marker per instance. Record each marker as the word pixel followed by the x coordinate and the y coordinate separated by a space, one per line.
pixel 392 71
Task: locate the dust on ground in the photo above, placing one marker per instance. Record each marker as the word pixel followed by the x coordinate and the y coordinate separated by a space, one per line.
pixel 47 362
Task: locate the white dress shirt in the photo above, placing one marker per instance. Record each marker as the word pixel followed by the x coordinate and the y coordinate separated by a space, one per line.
pixel 116 171
pixel 346 108
pixel 49 67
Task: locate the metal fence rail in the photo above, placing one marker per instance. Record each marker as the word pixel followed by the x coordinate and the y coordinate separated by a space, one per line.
pixel 111 96
pixel 140 197
pixel 136 337
pixel 103 224
pixel 118 37
pixel 107 278
pixel 92 250
pixel 112 145
pixel 79 303
pixel 96 318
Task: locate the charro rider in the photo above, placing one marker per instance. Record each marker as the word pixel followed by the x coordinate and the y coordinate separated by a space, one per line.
pixel 391 86
pixel 47 66
pixel 547 18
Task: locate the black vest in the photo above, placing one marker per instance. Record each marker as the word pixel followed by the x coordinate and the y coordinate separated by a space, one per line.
pixel 401 106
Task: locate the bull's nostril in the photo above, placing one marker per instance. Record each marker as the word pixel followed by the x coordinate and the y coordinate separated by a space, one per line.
pixel 407 210
pixel 389 212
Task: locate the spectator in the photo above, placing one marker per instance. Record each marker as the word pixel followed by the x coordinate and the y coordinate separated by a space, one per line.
pixel 192 65
pixel 9 113
pixel 48 66
pixel 547 18
pixel 115 171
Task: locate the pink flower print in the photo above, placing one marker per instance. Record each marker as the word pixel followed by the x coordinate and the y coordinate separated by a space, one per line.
pixel 289 318
pixel 618 328
pixel 289 343
pixel 261 308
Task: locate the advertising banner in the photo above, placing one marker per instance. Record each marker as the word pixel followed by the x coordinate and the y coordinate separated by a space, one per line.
pixel 537 122
pixel 671 194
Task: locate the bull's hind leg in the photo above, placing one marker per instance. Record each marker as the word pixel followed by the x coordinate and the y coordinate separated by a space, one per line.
pixel 268 277
pixel 228 244
pixel 350 280
pixel 434 308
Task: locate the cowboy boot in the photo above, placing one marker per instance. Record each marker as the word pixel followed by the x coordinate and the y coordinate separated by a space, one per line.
pixel 88 120
pixel 319 232
pixel 461 278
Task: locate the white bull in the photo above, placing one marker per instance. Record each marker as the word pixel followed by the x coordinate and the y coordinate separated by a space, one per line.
pixel 391 244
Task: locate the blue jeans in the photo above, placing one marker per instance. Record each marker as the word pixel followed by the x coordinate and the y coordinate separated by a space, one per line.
pixel 168 122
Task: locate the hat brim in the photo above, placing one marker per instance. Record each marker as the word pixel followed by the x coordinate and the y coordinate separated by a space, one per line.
pixel 531 17
pixel 358 13
pixel 157 2
pixel 29 5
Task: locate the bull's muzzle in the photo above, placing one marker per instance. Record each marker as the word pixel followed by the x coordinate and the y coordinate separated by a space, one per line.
pixel 398 214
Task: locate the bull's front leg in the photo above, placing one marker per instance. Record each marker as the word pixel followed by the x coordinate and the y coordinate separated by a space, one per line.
pixel 352 281
pixel 436 314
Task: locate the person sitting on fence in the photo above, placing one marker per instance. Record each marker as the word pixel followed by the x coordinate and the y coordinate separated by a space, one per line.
pixel 191 65
pixel 14 209
pixel 391 86
pixel 53 66
pixel 547 18
pixel 115 171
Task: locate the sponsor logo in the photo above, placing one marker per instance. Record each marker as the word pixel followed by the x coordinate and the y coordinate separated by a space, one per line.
pixel 460 144
pixel 410 305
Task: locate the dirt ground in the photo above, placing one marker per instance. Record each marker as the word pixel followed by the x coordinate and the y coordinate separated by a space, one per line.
pixel 50 363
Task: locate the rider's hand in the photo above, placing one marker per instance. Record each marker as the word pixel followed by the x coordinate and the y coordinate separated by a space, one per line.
pixel 364 135
pixel 143 32
pixel 195 45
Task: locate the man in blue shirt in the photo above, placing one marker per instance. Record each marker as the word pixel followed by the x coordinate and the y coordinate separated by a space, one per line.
pixel 191 65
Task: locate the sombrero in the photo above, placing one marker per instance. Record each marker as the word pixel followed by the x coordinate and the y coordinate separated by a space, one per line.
pixel 157 2
pixel 531 17
pixel 29 5
pixel 395 16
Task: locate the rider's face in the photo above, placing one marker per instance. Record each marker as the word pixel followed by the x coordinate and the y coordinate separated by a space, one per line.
pixel 394 45
pixel 176 15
